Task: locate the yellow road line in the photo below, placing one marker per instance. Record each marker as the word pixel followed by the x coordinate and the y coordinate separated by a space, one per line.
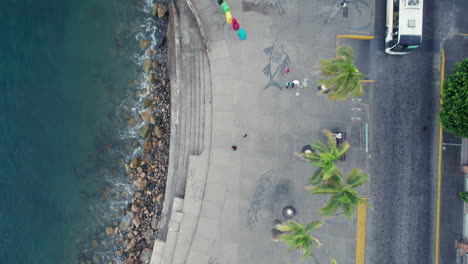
pixel 361 233
pixel 439 160
pixel 367 81
pixel 352 37
pixel 463 34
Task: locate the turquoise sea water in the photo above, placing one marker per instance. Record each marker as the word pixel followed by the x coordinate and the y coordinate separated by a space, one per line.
pixel 64 73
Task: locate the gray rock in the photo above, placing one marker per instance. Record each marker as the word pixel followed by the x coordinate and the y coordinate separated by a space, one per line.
pixel 148 235
pixel 154 223
pixel 160 199
pixel 131 245
pixel 145 255
pixel 124 225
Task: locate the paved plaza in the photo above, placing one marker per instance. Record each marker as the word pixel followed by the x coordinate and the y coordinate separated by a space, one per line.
pixel 233 197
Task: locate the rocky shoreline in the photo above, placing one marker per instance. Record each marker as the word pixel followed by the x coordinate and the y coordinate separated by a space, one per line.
pixel 134 236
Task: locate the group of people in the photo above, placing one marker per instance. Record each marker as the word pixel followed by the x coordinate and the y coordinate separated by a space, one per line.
pixel 292 84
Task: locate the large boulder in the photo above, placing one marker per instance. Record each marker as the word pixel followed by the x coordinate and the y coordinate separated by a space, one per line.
pixel 109 230
pixel 154 222
pixel 141 184
pixel 158 132
pixel 162 10
pixel 124 225
pixel 136 221
pixel 131 245
pixel 134 163
pixel 147 146
pixel 144 131
pixel 144 44
pixel 152 77
pixel 147 65
pixel 154 10
pixel 135 208
pixel 146 115
pixel 160 199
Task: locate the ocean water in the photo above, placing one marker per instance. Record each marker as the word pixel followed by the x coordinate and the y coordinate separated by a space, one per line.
pixel 65 69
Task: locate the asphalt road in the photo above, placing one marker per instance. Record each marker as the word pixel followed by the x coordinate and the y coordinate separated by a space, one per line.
pixel 403 142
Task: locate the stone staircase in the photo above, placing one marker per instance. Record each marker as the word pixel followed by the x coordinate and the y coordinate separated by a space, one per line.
pixel 190 131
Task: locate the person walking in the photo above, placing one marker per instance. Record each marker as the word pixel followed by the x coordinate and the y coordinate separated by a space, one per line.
pixel 234 147
pixel 244 135
pixel 288 84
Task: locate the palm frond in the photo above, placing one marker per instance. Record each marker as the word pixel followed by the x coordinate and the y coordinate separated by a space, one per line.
pixel 331 207
pixel 356 178
pixel 346 52
pixel 316 177
pixel 324 188
pixel 312 226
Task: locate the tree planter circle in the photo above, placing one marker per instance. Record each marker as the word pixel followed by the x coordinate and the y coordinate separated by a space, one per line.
pixel 307 149
pixel 289 212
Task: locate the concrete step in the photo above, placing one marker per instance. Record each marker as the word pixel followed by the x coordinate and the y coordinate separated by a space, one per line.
pixel 196 181
pixel 166 249
pixel 183 165
pixel 198 129
pixel 206 97
pixel 194 89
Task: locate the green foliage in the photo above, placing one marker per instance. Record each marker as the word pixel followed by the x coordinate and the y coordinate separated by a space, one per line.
pixel 454 109
pixel 343 195
pixel 298 236
pixel 463 196
pixel 341 77
pixel 324 157
pixel 333 261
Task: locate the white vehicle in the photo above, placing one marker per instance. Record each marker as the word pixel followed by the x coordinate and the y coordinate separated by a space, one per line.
pixel 404 26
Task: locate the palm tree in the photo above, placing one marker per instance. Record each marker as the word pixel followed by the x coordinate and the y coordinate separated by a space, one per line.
pixel 324 157
pixel 343 195
pixel 298 236
pixel 333 261
pixel 342 78
pixel 463 196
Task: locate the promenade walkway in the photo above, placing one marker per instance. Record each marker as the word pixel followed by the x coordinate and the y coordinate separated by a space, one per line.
pixel 232 198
